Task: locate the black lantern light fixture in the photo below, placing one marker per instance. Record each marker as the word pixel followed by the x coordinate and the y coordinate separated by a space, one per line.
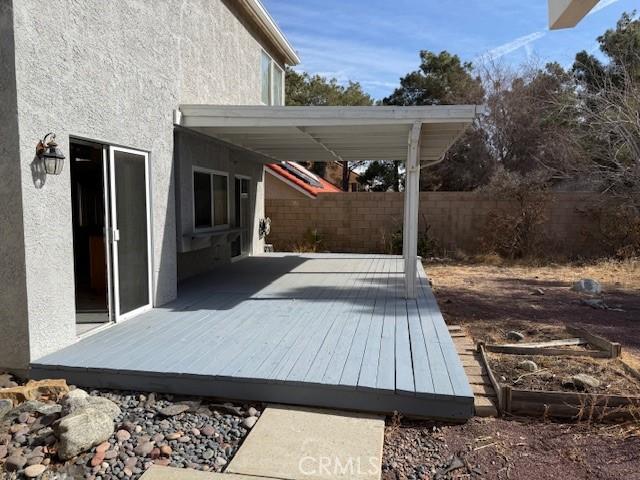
pixel 50 154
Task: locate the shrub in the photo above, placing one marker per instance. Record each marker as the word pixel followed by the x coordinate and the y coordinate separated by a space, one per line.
pixel 517 230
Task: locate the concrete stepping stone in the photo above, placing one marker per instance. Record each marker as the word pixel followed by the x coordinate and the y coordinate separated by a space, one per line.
pixel 295 443
pixel 168 473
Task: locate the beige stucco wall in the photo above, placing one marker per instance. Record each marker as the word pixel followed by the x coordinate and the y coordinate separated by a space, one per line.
pixel 14 352
pixel 112 72
pixel 276 188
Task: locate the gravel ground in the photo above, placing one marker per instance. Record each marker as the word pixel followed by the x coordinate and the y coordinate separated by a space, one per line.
pixel 151 429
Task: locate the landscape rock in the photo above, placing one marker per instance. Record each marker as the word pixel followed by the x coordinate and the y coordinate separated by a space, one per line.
pixel 97 459
pixel 123 435
pixel 15 463
pixel 515 336
pixel 6 381
pixel 144 449
pixel 5 407
pixel 173 410
pixel 584 381
pixel 249 422
pixel 34 389
pixel 81 430
pixel 587 285
pixel 33 471
pixel 79 399
pixel 528 365
pixel 252 412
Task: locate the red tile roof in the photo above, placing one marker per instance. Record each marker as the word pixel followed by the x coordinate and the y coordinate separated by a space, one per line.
pixel 322 186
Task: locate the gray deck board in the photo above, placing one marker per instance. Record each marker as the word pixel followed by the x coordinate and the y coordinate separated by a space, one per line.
pixel 313 329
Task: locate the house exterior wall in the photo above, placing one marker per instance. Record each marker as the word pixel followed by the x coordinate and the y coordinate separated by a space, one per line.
pixel 333 174
pixel 198 255
pixel 111 72
pixel 275 188
pixel 14 353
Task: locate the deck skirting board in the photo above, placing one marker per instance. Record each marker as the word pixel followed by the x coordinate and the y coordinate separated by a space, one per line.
pixel 373 401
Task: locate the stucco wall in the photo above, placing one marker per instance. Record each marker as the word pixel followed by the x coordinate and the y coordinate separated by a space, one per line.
pixel 196 150
pixel 113 72
pixel 14 346
pixel 276 188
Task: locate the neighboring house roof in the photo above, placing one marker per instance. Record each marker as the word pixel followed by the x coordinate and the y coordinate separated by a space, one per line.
pixel 265 22
pixel 301 179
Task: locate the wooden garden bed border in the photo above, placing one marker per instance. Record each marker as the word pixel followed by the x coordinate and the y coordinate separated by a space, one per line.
pixel 579 406
pixel 606 349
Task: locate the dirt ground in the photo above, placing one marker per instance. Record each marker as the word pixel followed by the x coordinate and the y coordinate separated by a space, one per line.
pixel 490 300
pixel 553 371
pixel 493 299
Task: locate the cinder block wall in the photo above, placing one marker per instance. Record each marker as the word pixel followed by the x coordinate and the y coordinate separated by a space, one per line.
pixel 363 222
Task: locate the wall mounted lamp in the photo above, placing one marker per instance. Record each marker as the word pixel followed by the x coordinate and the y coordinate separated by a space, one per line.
pixel 50 154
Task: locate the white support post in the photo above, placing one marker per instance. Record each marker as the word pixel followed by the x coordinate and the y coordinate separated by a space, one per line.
pixel 411 202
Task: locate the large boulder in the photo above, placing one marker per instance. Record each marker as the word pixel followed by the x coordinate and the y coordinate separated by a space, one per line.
pixel 79 399
pixel 86 427
pixel 587 285
pixel 34 389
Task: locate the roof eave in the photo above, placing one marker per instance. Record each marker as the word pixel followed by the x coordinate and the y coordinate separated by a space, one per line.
pixel 256 11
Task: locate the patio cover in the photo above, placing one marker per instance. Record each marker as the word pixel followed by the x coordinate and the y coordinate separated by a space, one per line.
pixel 417 136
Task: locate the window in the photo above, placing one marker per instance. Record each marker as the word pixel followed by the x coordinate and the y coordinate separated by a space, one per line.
pixel 272 81
pixel 202 200
pixel 278 85
pixel 265 70
pixel 210 199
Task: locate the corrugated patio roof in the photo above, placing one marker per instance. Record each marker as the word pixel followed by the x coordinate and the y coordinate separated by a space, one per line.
pixel 323 134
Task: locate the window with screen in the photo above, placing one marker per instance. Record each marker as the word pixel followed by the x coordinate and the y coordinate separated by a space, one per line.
pixel 210 200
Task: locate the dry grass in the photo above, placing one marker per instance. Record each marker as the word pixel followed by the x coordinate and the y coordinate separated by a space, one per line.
pixel 618 274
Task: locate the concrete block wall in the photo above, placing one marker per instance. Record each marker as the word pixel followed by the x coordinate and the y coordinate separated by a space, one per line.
pixel 363 222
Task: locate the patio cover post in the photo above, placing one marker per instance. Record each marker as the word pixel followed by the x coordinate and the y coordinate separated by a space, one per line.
pixel 411 203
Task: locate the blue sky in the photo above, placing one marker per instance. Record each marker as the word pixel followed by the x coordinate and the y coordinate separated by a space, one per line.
pixel 375 42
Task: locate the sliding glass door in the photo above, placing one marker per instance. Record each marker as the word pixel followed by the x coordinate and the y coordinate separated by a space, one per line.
pixel 130 231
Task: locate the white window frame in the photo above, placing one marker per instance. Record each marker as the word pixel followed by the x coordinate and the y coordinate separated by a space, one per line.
pixel 272 66
pixel 213 226
pixel 250 180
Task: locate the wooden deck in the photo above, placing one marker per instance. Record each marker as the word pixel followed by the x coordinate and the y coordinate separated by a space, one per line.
pixel 327 330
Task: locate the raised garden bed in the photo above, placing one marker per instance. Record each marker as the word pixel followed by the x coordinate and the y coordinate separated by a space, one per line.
pixel 546 392
pixel 583 344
